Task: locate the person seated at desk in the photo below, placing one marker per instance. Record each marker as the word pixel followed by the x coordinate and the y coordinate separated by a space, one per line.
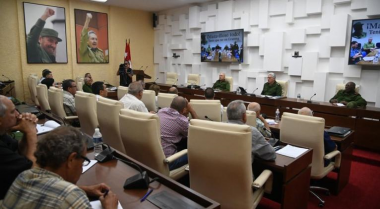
pixel 210 95
pixel 45 74
pixel 261 124
pixel 174 127
pixel 327 142
pixel 349 97
pixel 236 114
pixel 272 88
pixel 222 84
pixel 87 83
pixel 99 89
pixel 60 156
pixel 69 90
pixel 355 55
pixel 132 100
pixel 367 47
pixel 48 82
pixel 173 90
pixel 15 156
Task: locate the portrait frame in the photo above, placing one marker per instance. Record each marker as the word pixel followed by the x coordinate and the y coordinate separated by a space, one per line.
pixel 94 48
pixel 51 48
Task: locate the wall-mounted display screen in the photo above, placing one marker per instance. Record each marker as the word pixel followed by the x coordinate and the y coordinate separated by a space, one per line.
pixel 222 46
pixel 365 42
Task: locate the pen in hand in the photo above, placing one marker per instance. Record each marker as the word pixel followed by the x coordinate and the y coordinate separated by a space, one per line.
pixel 146 195
pixel 105 193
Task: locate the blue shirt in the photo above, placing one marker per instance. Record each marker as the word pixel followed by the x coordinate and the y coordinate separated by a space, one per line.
pixel 329 146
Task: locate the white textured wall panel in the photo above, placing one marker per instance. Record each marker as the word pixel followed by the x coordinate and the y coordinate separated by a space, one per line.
pixel 263 13
pixel 244 22
pixel 338 31
pixel 161 37
pixel 324 46
pixel 203 15
pixel 194 13
pixel 289 18
pixel 156 56
pixel 196 68
pixel 168 28
pixel 337 64
pixel 295 66
pixel 196 45
pixel 352 71
pixel 330 88
pixel 273 51
pixel 165 50
pixel 175 29
pixel 313 30
pixel 297 36
pixel 253 39
pixel 277 7
pixel 183 22
pixel 341 1
pixel 368 83
pixel 313 6
pixel 327 15
pixel 161 20
pixel 211 9
pixel 320 82
pixel 168 20
pixel 254 13
pixel 358 4
pixel 188 57
pixel 210 25
pixel 373 7
pixel 262 45
pixel 224 21
pixel 300 8
pixel 309 65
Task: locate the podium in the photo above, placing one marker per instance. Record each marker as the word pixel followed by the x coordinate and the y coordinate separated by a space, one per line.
pixel 140 75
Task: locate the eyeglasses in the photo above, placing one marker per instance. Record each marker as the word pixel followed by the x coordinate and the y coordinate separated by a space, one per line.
pixel 86 160
pixel 73 86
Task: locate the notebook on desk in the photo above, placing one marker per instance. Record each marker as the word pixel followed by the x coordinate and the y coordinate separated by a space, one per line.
pixel 339 131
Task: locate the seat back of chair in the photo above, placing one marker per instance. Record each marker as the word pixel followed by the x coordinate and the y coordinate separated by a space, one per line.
pixel 42 97
pixel 207 108
pixel 193 79
pixel 220 162
pixel 342 86
pixel 284 86
pixel 85 104
pixel 305 131
pixel 251 118
pixel 121 91
pixel 32 84
pixel 165 99
pixel 171 78
pixel 79 86
pixel 141 137
pixel 149 99
pixel 55 98
pixel 231 81
pixel 108 117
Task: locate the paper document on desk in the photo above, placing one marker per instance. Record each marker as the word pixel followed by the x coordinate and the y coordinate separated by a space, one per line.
pixel 271 121
pixel 47 126
pixel 339 104
pixel 98 205
pixel 291 151
pixel 85 168
pixel 368 59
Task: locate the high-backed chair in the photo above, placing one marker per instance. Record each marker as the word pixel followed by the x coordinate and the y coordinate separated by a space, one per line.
pixel 32 84
pixel 85 104
pixel 149 99
pixel 224 172
pixel 79 79
pixel 79 86
pixel 207 108
pixel 42 97
pixel 193 79
pixel 146 147
pixel 121 91
pixel 108 117
pixel 231 81
pixel 251 117
pixel 164 99
pixel 311 136
pixel 284 86
pixel 342 86
pixel 55 98
pixel 171 78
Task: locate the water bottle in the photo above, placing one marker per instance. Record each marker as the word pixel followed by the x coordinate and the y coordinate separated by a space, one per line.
pixel 277 116
pixel 238 91
pixel 192 86
pixel 376 59
pixel 98 142
pixel 298 97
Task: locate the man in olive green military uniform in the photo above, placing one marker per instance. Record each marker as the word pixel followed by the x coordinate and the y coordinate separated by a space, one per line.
pixel 42 42
pixel 222 84
pixel 349 97
pixel 88 49
pixel 272 88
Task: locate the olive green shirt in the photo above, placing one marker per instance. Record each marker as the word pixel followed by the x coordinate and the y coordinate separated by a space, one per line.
pixel 353 99
pixel 34 51
pixel 369 46
pixel 86 53
pixel 272 90
pixel 87 88
pixel 222 85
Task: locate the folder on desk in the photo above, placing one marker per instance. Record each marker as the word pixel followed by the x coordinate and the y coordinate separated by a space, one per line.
pixel 339 131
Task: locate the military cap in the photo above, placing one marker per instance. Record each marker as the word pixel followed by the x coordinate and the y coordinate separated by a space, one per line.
pixel 50 33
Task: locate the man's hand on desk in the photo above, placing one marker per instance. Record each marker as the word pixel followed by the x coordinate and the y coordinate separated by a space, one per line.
pixel 95 190
pixel 109 200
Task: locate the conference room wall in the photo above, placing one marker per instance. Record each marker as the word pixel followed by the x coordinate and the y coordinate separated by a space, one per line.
pixel 318 29
pixel 123 23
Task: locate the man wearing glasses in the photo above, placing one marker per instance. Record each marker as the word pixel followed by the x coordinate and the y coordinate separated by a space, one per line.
pixel 60 156
pixel 272 88
pixel 69 90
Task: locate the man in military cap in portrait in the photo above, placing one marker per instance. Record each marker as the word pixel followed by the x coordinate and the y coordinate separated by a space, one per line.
pixel 358 33
pixel 88 49
pixel 42 42
pixel 349 97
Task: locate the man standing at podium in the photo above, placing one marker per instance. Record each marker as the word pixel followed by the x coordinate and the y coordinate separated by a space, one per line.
pixel 222 84
pixel 272 88
pixel 125 72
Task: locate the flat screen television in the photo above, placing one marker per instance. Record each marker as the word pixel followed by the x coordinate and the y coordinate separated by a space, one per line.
pixel 222 46
pixel 365 42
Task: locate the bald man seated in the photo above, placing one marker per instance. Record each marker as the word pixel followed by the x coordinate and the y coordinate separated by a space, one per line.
pixel 328 143
pixel 173 90
pixel 222 84
pixel 261 124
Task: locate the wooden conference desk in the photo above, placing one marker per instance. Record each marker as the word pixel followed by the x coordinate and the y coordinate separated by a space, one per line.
pixel 291 179
pixel 365 121
pixel 114 173
pixel 345 146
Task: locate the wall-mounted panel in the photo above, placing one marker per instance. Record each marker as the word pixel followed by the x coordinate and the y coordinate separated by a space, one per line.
pixel 297 36
pixel 194 13
pixel 203 16
pixel 295 66
pixel 277 7
pixel 188 57
pixel 338 31
pixel 324 46
pixel 300 8
pixel 309 65
pixel 313 30
pixel 341 1
pixel 289 18
pixel 358 4
pixel 313 7
pixel 273 51
pixel 161 19
pixel 244 22
pixel 210 25
pixel 196 45
pixel 211 10
pixel 253 40
pixel 373 7
pixel 352 71
pixel 337 64
pixel 224 21
pixel 183 22
pixel 262 45
pixel 254 13
pixel 263 14
pixel 327 15
pixel 168 20
pixel 320 81
pixel 175 29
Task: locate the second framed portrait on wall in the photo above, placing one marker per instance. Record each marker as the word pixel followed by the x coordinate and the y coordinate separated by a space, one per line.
pixel 91 34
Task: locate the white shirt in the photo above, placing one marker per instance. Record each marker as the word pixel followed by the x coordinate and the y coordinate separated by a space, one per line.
pixel 132 103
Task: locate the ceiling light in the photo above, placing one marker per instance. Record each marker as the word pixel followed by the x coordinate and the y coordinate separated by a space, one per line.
pixel 103 1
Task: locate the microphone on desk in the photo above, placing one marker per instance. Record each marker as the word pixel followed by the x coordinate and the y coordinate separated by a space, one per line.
pixel 155 80
pixel 253 92
pixel 145 68
pixel 309 101
pixel 208 118
pixel 141 67
pixel 6 77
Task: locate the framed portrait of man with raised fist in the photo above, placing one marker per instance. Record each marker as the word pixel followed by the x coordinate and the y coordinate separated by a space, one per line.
pixel 45 33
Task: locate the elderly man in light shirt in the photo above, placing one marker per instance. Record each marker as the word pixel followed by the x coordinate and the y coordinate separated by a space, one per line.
pixel 132 100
